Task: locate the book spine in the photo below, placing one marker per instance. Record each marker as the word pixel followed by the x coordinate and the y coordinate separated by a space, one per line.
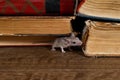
pixel 36 7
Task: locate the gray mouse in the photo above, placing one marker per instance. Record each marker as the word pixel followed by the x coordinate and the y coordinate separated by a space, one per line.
pixel 65 42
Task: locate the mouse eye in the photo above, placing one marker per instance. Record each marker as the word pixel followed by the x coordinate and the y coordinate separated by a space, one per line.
pixel 73 42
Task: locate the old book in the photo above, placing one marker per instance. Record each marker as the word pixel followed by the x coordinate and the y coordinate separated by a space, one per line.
pixel 37 7
pixel 100 9
pixel 32 30
pixel 101 38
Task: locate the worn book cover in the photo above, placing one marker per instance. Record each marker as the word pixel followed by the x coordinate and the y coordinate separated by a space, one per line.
pixel 37 7
pixel 100 9
pixel 101 38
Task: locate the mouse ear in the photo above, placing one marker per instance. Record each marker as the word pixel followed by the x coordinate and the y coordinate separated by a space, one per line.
pixel 72 35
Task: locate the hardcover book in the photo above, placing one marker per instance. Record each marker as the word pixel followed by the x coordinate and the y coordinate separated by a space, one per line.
pixel 32 30
pixel 101 38
pixel 100 9
pixel 37 7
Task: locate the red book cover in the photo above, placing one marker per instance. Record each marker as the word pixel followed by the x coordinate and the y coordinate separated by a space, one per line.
pixel 37 7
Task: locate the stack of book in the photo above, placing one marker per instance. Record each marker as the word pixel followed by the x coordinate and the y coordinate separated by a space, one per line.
pixel 102 29
pixel 34 22
pixel 32 30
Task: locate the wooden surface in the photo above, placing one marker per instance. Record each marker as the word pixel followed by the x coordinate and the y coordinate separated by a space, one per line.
pixel 39 63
